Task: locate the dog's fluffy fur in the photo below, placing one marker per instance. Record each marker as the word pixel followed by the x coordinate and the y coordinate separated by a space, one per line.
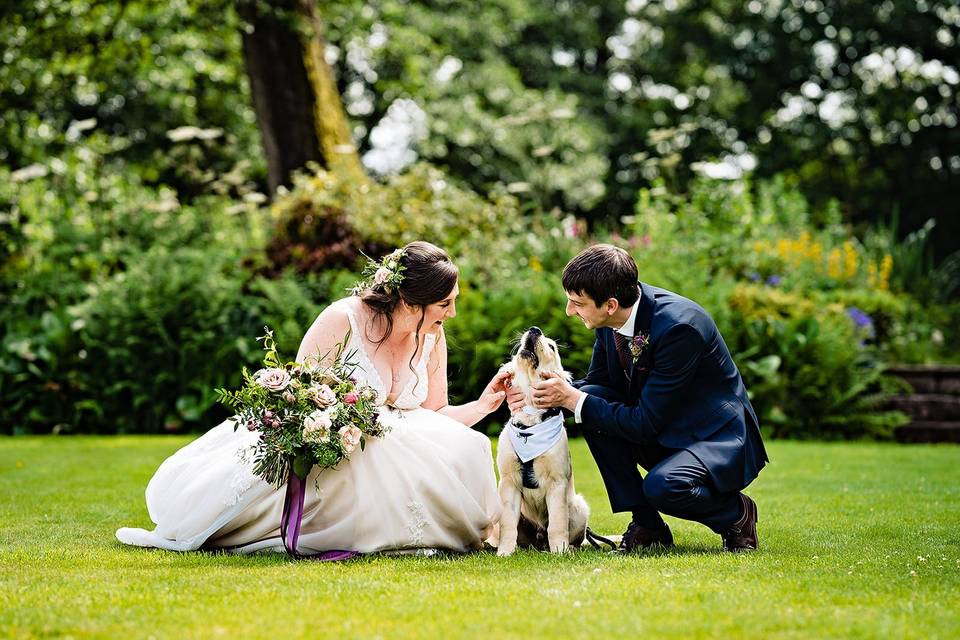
pixel 553 506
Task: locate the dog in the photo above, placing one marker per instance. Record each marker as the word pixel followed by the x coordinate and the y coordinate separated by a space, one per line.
pixel 537 493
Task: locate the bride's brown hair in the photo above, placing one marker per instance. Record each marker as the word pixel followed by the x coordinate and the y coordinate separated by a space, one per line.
pixel 428 277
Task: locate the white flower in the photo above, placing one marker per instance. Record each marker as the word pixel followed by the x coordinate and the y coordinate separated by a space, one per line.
pixel 273 379
pixel 316 426
pixel 381 275
pixel 350 438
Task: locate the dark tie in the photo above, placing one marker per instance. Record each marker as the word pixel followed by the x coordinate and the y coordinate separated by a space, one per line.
pixel 623 351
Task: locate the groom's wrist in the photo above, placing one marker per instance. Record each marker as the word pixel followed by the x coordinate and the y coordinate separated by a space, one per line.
pixel 573 399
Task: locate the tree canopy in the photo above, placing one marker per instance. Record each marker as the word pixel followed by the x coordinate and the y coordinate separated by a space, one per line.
pixel 567 103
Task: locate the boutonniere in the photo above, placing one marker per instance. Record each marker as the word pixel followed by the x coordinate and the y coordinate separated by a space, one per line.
pixel 638 345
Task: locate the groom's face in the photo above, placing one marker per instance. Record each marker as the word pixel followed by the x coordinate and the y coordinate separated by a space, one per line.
pixel 586 309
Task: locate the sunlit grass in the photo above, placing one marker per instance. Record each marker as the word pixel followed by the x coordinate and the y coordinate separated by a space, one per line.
pixel 856 540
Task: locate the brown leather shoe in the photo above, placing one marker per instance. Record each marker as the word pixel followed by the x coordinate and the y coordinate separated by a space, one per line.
pixel 742 536
pixel 639 537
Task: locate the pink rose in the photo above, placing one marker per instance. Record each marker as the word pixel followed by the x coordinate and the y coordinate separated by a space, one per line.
pixel 381 275
pixel 351 398
pixel 273 379
pixel 322 396
pixel 350 438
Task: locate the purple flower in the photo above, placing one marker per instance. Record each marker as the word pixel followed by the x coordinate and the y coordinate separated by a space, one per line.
pixel 754 276
pixel 639 344
pixel 773 280
pixel 860 319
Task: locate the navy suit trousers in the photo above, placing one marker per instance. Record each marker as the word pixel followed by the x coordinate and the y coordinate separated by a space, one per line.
pixel 676 483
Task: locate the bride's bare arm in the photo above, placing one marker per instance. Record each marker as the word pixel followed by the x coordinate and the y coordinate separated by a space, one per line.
pixel 437 398
pixel 323 336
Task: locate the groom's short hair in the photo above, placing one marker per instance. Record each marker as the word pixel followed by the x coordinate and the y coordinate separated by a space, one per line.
pixel 602 272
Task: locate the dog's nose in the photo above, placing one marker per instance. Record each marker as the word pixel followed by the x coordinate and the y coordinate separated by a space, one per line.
pixel 535 331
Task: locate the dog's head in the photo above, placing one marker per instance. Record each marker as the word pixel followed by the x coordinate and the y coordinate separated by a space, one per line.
pixel 536 354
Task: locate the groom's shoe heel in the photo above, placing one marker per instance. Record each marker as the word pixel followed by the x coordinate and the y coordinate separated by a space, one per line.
pixel 742 536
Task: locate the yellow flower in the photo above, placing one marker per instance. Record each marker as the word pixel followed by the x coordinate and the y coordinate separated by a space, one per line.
pixel 783 248
pixel 815 253
pixel 886 267
pixel 535 264
pixel 871 274
pixel 833 264
pixel 849 260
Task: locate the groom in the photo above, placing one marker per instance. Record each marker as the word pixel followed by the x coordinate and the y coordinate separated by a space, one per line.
pixel 663 393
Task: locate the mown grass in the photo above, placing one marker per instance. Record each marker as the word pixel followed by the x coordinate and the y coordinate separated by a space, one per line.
pixel 857 540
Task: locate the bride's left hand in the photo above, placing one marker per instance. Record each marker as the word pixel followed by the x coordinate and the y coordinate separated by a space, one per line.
pixel 494 393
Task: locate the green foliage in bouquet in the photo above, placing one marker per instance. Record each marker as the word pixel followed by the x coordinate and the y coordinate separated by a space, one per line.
pixel 306 414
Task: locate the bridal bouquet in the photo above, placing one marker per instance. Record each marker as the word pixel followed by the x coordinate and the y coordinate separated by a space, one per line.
pixel 306 415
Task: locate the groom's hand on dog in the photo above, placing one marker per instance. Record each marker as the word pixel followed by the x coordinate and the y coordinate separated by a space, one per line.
pixel 554 391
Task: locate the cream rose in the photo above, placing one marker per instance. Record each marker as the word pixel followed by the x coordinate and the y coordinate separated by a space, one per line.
pixel 350 438
pixel 316 426
pixel 381 275
pixel 273 379
pixel 323 395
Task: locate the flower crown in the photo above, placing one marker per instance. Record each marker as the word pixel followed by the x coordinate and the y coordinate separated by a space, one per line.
pixel 386 273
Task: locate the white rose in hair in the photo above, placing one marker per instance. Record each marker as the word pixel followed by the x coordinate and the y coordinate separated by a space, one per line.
pixel 381 275
pixel 273 379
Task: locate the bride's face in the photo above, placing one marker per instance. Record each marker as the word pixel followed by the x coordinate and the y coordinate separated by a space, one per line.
pixel 437 313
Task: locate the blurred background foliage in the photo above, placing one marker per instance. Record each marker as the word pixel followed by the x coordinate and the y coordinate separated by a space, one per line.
pixel 793 166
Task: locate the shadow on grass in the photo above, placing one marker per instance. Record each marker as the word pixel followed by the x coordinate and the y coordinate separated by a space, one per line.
pixel 224 558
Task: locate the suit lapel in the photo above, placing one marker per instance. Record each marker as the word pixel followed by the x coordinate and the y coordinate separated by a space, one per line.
pixel 642 323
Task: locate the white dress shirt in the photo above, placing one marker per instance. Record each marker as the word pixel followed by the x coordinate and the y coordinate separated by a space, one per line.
pixel 626 331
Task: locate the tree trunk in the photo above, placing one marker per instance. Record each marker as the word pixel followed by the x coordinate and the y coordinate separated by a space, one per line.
pixel 330 120
pixel 299 112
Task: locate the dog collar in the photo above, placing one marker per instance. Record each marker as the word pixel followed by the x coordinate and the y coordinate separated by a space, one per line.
pixel 530 442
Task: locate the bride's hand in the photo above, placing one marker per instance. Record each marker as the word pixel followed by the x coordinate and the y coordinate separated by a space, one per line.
pixel 494 393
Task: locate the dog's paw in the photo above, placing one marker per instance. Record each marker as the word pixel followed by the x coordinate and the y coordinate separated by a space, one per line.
pixel 560 546
pixel 506 549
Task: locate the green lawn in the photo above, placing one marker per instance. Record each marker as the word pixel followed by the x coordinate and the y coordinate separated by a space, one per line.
pixel 856 540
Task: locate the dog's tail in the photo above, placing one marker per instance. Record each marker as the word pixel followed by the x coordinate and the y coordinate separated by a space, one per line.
pixel 595 540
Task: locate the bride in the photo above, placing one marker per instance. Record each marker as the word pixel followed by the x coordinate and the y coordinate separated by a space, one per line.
pixel 427 483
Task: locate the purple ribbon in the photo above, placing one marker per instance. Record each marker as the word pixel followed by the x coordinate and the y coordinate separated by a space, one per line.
pixel 292 518
pixel 292 512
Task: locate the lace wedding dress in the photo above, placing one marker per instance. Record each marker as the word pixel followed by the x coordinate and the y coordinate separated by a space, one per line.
pixel 428 483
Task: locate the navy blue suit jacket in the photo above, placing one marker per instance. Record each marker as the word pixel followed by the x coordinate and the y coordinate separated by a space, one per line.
pixel 685 391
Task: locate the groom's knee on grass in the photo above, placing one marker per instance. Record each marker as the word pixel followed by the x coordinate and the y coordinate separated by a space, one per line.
pixel 666 491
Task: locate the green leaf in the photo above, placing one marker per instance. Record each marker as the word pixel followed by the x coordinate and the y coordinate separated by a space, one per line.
pixel 302 466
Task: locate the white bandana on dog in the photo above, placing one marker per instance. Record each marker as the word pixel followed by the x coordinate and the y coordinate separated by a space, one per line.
pixel 530 442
